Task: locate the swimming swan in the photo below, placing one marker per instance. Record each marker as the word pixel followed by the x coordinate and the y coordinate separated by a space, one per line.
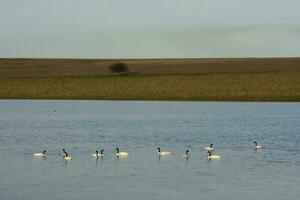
pixel 40 154
pixel 163 153
pixel 257 146
pixel 186 155
pixel 121 153
pixel 209 148
pixel 66 155
pixel 97 155
pixel 210 156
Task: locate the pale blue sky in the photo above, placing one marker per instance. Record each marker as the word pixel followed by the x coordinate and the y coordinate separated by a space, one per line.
pixel 149 28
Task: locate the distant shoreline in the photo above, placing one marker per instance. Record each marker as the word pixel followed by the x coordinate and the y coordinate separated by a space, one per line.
pixel 229 79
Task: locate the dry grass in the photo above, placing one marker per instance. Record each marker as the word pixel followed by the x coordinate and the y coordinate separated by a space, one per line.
pixel 95 67
pixel 255 79
pixel 259 86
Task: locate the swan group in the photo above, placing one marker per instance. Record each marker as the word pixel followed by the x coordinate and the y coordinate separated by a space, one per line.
pixel 97 154
pixel 210 153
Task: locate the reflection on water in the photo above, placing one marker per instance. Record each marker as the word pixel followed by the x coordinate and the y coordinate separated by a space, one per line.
pixel 138 128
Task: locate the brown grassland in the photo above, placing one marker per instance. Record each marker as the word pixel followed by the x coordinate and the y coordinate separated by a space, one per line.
pixel 248 79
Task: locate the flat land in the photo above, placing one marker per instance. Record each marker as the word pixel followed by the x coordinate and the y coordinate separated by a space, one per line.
pixel 246 79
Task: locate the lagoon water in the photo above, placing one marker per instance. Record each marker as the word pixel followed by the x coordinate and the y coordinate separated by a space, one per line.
pixel 28 126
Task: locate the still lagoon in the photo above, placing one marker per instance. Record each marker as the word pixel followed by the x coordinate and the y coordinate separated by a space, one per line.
pixel 139 127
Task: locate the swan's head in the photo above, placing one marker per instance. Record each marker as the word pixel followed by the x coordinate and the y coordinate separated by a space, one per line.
pixel 255 143
pixel 118 150
pixel 211 145
pixel 187 152
pixel 158 149
pixel 97 152
pixel 64 150
pixel 44 152
pixel 101 152
pixel 209 153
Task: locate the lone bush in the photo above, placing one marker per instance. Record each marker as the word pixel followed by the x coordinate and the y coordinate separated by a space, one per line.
pixel 118 68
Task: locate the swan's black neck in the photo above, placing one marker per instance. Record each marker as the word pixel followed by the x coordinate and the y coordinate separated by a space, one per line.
pixel 158 149
pixel 211 145
pixel 187 152
pixel 101 152
pixel 44 152
pixel 66 154
pixel 117 149
pixel 209 153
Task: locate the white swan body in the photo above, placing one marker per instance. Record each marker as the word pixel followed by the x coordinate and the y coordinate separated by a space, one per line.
pixel 214 157
pixel 209 148
pixel 210 156
pixel 97 155
pixel 67 157
pixel 40 154
pixel 163 153
pixel 257 146
pixel 121 153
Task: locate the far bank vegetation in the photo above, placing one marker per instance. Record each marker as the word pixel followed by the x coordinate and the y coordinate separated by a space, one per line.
pixel 119 67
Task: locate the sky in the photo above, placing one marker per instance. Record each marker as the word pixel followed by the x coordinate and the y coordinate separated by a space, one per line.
pixel 149 28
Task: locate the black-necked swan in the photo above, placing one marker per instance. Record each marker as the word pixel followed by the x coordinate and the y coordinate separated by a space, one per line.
pixel 257 146
pixel 97 154
pixel 66 155
pixel 121 153
pixel 43 154
pixel 186 155
pixel 209 148
pixel 210 156
pixel 162 153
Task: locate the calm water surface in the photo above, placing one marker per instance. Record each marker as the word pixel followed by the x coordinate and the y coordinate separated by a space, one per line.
pixel 139 127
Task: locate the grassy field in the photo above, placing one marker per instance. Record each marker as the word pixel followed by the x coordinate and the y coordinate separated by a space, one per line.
pixel 221 82
pixel 94 67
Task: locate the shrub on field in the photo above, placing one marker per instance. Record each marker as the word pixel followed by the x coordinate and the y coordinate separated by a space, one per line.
pixel 118 68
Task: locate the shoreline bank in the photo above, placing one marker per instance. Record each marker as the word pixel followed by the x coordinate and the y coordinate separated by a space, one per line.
pixel 205 79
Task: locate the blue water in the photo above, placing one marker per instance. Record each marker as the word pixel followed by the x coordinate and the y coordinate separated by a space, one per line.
pixel 138 128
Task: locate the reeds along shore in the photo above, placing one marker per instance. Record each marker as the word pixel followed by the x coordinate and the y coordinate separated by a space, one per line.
pixel 259 79
pixel 262 86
